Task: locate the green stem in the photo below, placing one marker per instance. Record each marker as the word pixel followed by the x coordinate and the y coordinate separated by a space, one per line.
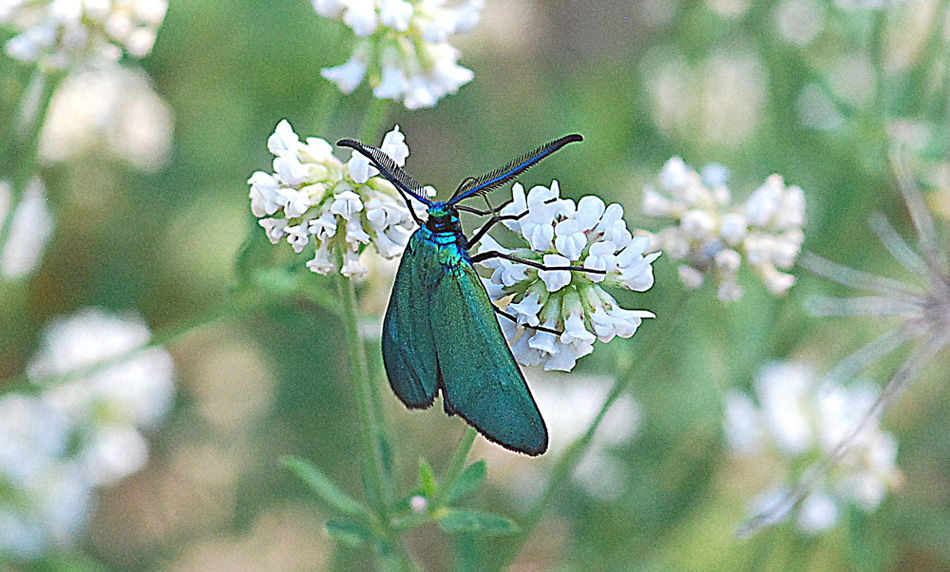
pixel 456 466
pixel 359 376
pixel 25 142
pixel 373 120
pixel 327 105
pixel 371 433
pixel 876 49
pixel 565 465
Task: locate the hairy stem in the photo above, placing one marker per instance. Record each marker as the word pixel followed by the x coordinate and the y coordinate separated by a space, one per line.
pixel 456 466
pixel 373 440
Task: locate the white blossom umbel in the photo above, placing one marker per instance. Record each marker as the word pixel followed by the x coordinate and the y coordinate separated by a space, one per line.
pixel 108 111
pixel 63 33
pixel 80 430
pixel 709 235
pixel 558 232
pixel 402 47
pixel 341 207
pixel 800 423
pixel 30 230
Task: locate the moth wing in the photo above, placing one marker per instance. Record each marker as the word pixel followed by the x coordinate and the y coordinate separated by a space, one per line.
pixel 409 351
pixel 479 377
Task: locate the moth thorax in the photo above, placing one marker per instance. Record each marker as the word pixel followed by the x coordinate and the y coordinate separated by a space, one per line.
pixel 443 218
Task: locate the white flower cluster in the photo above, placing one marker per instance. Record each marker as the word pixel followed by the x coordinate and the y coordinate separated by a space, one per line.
pixel 109 111
pixel 803 423
pixel 559 232
pixel 403 47
pixel 710 235
pixel 58 445
pixel 62 33
pixel 343 207
pixel 30 230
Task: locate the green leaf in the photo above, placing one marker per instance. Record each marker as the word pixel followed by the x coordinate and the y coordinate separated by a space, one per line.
pixel 426 478
pixel 324 487
pixel 468 481
pixel 476 522
pixel 349 532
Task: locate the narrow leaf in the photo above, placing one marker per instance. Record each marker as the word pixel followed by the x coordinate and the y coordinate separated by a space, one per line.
pixel 324 487
pixel 476 522
pixel 468 481
pixel 349 532
pixel 426 478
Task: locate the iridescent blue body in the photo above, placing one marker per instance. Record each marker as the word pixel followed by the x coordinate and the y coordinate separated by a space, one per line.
pixel 440 333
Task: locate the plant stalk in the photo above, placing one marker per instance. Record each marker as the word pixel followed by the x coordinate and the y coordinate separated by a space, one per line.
pixel 456 467
pixel 371 436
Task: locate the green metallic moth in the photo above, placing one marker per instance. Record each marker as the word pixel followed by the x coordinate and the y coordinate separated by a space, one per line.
pixel 440 333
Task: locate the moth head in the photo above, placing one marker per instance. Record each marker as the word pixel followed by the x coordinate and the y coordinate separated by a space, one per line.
pixel 443 217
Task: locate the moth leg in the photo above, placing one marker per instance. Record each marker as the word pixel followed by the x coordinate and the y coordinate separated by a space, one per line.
pixel 495 254
pixel 501 312
pixel 480 212
pixel 495 219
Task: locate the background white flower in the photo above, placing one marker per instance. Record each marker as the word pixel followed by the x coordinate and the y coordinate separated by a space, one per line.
pixel 342 207
pixel 408 58
pixel 109 110
pixel 709 235
pixel 72 436
pixel 63 33
pixel 30 230
pixel 802 423
pixel 559 232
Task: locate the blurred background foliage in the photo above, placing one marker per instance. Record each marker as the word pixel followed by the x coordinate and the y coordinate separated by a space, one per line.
pixel 642 80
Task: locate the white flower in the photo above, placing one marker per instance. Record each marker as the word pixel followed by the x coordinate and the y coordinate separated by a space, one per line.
pixel 394 145
pixel 360 15
pixel 809 423
pixel 395 14
pixel 408 58
pixel 343 207
pixel 349 76
pixel 711 236
pixel 559 233
pixel 554 280
pixel 276 228
pixel 112 111
pixel 78 433
pixel 139 391
pixel 63 33
pixel 817 513
pixel 30 230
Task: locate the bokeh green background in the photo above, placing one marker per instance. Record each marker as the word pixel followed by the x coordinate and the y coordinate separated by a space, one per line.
pixel 642 81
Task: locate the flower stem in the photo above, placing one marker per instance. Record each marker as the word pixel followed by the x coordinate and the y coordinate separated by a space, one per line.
pixel 24 141
pixel 374 443
pixel 359 376
pixel 456 466
pixel 566 463
pixel 373 120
